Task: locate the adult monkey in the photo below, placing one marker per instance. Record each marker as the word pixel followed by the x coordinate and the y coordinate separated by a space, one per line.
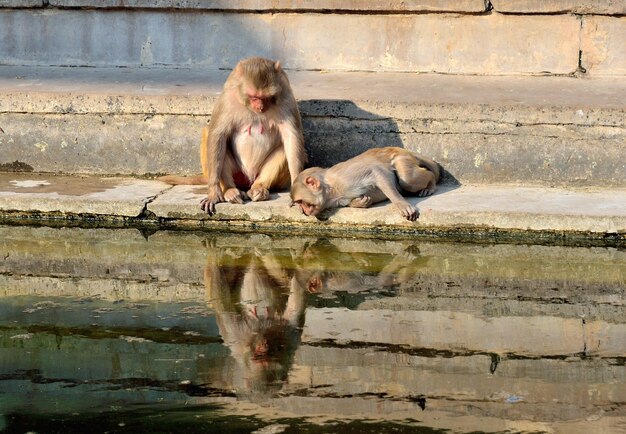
pixel 253 141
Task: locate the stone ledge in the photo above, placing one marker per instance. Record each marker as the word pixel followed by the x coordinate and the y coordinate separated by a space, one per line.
pixel 465 208
pixel 190 91
pixel 490 207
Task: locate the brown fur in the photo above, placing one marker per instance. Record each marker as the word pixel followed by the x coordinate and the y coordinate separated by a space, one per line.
pixel 375 175
pixel 253 142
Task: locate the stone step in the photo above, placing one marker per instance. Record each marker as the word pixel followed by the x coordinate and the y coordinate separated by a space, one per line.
pixel 470 212
pixel 542 131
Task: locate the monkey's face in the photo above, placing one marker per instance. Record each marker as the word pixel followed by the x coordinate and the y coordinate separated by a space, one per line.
pixel 307 192
pixel 260 102
pixel 308 208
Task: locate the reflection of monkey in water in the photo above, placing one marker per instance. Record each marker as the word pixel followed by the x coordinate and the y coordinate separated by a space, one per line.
pixel 259 307
pixel 330 269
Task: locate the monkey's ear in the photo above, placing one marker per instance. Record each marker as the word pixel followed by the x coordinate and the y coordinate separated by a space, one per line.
pixel 313 183
pixel 237 70
pixel 277 66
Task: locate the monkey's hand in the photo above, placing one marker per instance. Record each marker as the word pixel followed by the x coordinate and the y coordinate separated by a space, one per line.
pixel 214 196
pixel 258 193
pixel 408 211
pixel 360 202
pixel 234 195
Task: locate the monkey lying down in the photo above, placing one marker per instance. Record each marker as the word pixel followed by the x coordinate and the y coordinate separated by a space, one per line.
pixel 367 179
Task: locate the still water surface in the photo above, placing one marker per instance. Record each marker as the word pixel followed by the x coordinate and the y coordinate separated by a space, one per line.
pixel 117 331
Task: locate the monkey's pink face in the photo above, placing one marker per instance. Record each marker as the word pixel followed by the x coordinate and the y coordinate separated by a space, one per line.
pixel 259 102
pixel 308 208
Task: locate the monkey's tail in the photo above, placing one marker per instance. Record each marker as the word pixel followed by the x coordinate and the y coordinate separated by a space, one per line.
pixel 183 180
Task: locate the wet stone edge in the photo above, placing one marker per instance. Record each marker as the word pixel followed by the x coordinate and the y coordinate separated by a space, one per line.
pixel 150 223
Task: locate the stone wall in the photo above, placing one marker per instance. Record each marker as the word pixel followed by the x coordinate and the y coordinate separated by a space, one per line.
pixel 444 36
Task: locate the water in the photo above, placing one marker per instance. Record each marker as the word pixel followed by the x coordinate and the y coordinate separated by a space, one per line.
pixel 116 331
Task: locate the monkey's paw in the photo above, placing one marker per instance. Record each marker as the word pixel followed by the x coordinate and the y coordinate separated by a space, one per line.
pixel 258 194
pixel 234 195
pixel 361 202
pixel 408 211
pixel 208 205
pixel 426 192
pixel 315 285
pixel 213 197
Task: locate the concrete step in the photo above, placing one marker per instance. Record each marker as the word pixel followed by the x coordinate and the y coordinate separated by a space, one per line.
pixel 536 131
pixel 469 211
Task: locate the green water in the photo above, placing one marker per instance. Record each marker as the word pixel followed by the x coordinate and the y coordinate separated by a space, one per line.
pixel 115 331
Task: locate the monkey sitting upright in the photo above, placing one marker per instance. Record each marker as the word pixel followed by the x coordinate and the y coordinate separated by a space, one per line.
pixel 367 179
pixel 254 140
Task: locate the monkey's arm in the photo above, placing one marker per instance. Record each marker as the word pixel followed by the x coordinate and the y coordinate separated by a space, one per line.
pixel 366 200
pixel 296 304
pixel 212 155
pixel 293 141
pixel 385 181
pixel 215 294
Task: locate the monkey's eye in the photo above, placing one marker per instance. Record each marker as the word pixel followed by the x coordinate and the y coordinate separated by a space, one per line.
pixel 268 100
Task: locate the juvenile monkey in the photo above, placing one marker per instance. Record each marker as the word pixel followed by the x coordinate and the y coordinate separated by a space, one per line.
pixel 367 179
pixel 253 142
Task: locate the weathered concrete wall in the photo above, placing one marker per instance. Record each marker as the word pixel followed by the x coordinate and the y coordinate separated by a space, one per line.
pixel 440 43
pixel 602 45
pixel 592 7
pixel 261 5
pixel 596 7
pixel 445 36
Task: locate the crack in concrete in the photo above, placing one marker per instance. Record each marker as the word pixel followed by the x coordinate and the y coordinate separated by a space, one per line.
pixel 450 133
pixel 145 212
pixel 490 121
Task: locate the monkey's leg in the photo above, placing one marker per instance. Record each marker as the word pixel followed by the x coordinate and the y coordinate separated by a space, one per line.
pixel 273 174
pixel 212 156
pixel 360 202
pixel 413 178
pixel 231 193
